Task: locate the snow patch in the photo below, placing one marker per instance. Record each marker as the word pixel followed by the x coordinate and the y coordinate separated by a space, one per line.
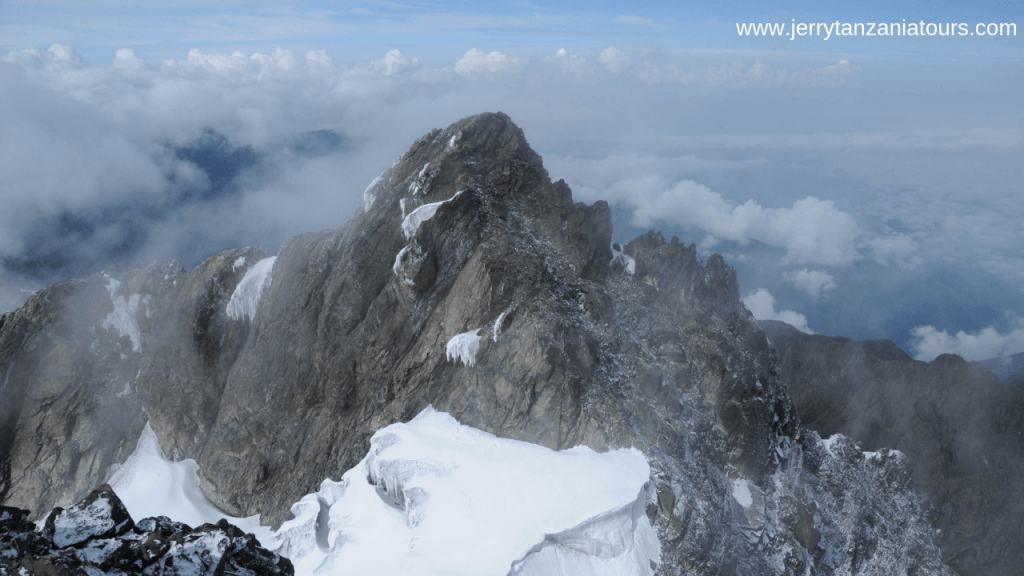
pixel 247 295
pixel 238 263
pixel 150 485
pixel 620 257
pixel 741 492
pixel 454 139
pixel 411 223
pixel 497 324
pixel 423 171
pixel 434 497
pixel 827 443
pixel 464 347
pixel 122 318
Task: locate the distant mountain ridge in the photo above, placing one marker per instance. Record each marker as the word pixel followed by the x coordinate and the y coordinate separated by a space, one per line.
pixel 1008 369
pixel 962 429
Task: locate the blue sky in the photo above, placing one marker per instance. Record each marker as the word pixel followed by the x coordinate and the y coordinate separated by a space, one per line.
pixel 864 186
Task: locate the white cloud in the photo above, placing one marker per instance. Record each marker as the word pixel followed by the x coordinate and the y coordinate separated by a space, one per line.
pixel 812 231
pixel 813 282
pixel 477 61
pixel 614 60
pixel 762 305
pixel 127 59
pixel 893 249
pixel 394 63
pixel 568 63
pixel 928 342
pixel 706 245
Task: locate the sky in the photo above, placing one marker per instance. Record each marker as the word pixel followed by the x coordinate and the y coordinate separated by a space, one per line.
pixel 863 186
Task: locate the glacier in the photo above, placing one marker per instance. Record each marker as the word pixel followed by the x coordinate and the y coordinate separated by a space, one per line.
pixel 435 497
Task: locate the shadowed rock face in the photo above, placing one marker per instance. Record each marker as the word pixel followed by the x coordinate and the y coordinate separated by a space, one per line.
pixel 962 429
pixel 351 336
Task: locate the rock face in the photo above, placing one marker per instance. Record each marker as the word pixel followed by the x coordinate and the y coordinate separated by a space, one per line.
pixel 646 347
pixel 97 535
pixel 962 430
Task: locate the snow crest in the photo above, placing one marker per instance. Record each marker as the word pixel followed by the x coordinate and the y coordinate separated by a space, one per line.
pixel 150 485
pixel 122 318
pixel 464 347
pixel 411 223
pixel 434 497
pixel 245 300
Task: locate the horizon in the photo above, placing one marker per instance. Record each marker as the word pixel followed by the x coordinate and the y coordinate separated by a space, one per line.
pixel 862 186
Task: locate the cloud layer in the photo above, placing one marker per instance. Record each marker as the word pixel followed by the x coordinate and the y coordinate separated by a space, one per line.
pixel 930 342
pixel 762 305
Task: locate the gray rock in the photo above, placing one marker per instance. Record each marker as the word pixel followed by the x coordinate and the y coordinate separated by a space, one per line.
pixel 962 430
pixel 350 336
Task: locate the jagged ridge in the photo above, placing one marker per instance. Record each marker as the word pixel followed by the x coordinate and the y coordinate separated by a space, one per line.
pixel 351 334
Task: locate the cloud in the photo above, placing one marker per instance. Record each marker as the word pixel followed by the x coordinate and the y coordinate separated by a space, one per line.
pixel 928 342
pixel 477 61
pixel 762 305
pixel 738 74
pixel 568 63
pixel 614 60
pixel 394 63
pixel 892 249
pixel 812 231
pixel 638 21
pixel 813 282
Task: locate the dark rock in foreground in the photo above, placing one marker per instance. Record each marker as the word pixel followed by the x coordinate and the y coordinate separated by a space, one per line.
pixel 97 536
pixel 962 429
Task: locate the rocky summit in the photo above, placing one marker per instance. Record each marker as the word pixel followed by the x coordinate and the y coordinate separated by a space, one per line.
pixel 471 282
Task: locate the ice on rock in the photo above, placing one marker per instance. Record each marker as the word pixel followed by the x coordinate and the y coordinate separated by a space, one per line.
pixel 369 196
pixel 239 262
pixel 245 300
pixel 497 324
pixel 464 347
pixel 411 223
pixel 122 318
pixel 620 257
pixel 434 497
pixel 150 485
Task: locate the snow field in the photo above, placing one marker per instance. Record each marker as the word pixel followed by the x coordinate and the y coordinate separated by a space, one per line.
pixel 150 485
pixel 434 497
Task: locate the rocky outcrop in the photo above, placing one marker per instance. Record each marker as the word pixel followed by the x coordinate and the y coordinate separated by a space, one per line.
pixel 97 535
pixel 962 430
pixel 642 346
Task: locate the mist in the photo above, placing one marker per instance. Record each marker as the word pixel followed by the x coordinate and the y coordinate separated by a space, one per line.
pixel 127 161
